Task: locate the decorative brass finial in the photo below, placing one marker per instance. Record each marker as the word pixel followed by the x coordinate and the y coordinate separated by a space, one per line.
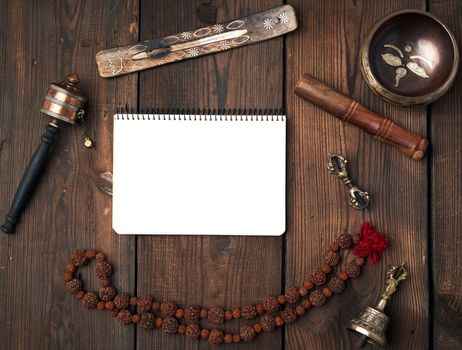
pixel 395 275
pixel 372 323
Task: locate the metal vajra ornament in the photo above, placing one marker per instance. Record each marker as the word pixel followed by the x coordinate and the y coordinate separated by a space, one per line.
pixel 338 166
pixel 372 323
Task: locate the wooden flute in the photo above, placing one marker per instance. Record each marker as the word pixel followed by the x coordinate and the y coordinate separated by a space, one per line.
pixel 351 111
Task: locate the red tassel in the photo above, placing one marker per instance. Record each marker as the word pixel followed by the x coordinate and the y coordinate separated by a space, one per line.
pixel 372 244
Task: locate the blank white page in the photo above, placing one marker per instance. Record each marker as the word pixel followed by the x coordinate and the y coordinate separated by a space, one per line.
pixel 199 174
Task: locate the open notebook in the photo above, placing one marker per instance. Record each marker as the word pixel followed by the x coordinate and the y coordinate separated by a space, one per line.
pixel 199 174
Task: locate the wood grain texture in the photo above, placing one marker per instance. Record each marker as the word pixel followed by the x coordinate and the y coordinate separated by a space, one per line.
pixel 42 43
pixel 210 270
pixel 326 46
pixel 446 189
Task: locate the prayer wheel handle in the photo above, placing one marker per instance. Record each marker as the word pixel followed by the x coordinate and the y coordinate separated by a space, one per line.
pixel 63 102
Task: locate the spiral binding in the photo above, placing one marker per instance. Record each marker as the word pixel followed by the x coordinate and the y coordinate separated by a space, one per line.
pixel 201 114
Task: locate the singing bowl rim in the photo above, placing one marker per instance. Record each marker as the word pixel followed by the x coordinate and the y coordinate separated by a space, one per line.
pixel 402 100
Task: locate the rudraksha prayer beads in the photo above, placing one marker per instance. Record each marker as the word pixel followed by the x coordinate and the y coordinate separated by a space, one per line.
pixel 275 311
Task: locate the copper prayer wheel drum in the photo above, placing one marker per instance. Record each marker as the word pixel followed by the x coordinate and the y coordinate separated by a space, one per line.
pixel 64 101
pixel 410 57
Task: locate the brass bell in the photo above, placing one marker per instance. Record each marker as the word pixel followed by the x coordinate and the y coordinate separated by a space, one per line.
pixel 372 323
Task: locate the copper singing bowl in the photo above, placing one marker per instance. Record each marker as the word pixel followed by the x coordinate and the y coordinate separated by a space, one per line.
pixel 410 57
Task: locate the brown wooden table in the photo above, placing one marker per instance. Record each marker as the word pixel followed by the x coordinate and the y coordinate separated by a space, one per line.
pixel 417 203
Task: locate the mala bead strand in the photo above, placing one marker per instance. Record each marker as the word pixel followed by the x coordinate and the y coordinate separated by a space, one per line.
pixel 79 258
pixel 257 328
pixel 292 295
pixel 216 337
pixel 122 301
pixel 326 269
pixel 267 323
pixel 136 319
pixel 171 315
pixel 331 258
pixel 110 305
pixel 147 321
pixel 289 315
pixel 299 310
pixel 156 306
pixel 336 284
pixel 216 315
pixel 317 277
pixel 228 315
pixel 271 304
pixel 144 303
pixel 90 300
pixel 179 313
pixel 105 282
pixel 247 333
pixel 192 313
pixel 124 317
pixel 107 293
pixel 345 241
pixel 169 325
pixel 133 301
pixel 193 331
pixel 317 298
pixel 103 269
pixel 74 286
pixel 168 309
pixel 236 313
pixel 182 329
pixel 205 333
pixel 352 269
pixel 101 306
pixel 248 312
pixel 279 321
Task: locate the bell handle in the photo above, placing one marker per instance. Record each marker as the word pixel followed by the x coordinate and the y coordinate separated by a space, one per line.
pixel 30 178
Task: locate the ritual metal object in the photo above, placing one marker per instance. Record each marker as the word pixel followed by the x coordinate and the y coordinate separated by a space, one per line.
pixel 410 57
pixel 372 323
pixel 337 166
pixel 202 41
pixel 351 111
pixel 63 102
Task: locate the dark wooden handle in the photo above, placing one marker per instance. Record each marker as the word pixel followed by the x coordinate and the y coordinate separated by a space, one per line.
pixel 30 179
pixel 349 110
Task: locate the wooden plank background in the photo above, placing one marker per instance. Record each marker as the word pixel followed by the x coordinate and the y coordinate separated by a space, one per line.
pixel 446 187
pixel 326 46
pixel 416 203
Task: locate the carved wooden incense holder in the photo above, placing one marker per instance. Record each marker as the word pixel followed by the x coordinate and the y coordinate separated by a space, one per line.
pixel 349 110
pixel 202 41
pixel 63 102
